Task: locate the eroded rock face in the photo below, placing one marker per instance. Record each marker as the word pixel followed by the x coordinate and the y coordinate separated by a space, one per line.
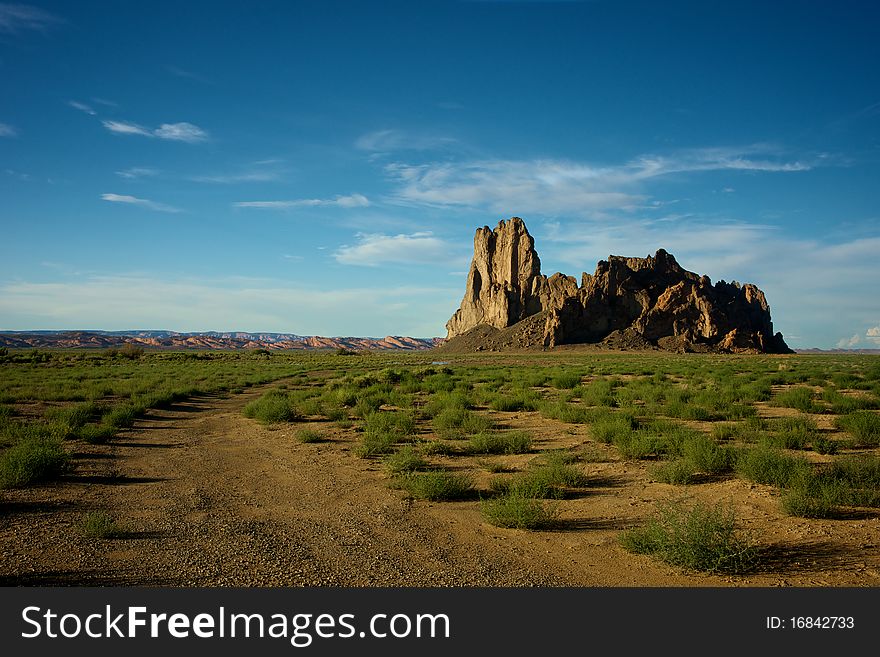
pixel 653 300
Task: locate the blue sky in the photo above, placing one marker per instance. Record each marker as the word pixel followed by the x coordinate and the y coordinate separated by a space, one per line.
pixel 320 167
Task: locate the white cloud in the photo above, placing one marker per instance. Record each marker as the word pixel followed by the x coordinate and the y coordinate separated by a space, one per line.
pixel 137 172
pixel 873 334
pixel 397 140
pixel 186 132
pixel 181 132
pixel 510 187
pixel 849 343
pixel 125 128
pixel 257 175
pixel 16 18
pixel 133 200
pixel 561 186
pixel 82 107
pixel 350 201
pixel 7 130
pixel 127 301
pixel 376 249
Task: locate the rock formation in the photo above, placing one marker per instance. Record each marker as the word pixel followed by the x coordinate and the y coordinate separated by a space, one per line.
pixel 629 302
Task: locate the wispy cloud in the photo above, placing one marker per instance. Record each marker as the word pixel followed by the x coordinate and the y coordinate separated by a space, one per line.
pixel 82 107
pixel 873 335
pixel 181 132
pixel 15 18
pixel 7 130
pixel 137 172
pixel 559 186
pixel 261 171
pixel 399 140
pixel 377 249
pixel 186 132
pixel 350 201
pixel 508 186
pixel 133 200
pixel 125 128
pixel 189 75
pixel 20 175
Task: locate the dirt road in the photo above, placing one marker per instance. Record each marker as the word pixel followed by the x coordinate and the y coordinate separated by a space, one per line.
pixel 209 498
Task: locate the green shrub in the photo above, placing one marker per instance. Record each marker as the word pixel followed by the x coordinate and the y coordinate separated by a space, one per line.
pixel 566 380
pixel 812 495
pixel 405 459
pixel 841 404
pixel 558 468
pixel 860 474
pixel 443 400
pixel 460 422
pixel 529 484
pixel 687 411
pixel 823 445
pixel 492 466
pixel 863 426
pixel 437 485
pixel 511 442
pixel 516 511
pixel 309 436
pixel 121 416
pixel 707 456
pixel 335 413
pixel 32 460
pixel 600 393
pixel 75 416
pixel 99 524
pixel 274 406
pixel 793 432
pixel 367 405
pixel 96 434
pixel 397 423
pixel 437 447
pixel 615 427
pixel 676 471
pixel 767 465
pixel 514 402
pixel 545 479
pixel 640 445
pixel 699 538
pixel 799 397
pixel 375 443
pixel 565 412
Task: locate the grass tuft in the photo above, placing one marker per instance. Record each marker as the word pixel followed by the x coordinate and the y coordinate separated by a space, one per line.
pixel 99 524
pixel 437 485
pixel 31 461
pixel 699 538
pixel 517 511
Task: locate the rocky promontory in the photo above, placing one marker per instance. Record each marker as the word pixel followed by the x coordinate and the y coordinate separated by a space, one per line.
pixel 647 302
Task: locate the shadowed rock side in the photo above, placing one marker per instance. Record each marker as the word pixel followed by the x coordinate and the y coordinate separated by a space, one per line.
pixel 628 302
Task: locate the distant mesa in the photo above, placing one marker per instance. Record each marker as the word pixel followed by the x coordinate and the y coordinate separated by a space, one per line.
pixel 207 340
pixel 628 303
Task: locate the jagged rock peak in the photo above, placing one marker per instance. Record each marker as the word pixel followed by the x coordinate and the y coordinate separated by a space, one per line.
pixel 650 301
pixel 504 280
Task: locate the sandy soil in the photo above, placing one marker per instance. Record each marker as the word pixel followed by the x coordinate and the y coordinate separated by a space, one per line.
pixel 210 498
